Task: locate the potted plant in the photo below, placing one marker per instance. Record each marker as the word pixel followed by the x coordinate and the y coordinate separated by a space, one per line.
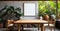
pixel 46 17
pixel 42 8
pixel 10 12
pixel 40 14
pixel 1 24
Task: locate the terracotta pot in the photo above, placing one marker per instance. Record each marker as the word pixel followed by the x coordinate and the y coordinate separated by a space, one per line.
pixel 46 17
pixel 1 25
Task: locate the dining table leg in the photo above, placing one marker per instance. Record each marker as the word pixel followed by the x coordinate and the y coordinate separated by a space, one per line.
pixel 42 27
pixel 22 27
pixel 38 26
pixel 19 26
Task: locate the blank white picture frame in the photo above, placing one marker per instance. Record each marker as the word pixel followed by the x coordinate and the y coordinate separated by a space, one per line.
pixel 29 9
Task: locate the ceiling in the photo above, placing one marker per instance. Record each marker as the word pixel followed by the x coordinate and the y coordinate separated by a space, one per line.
pixel 28 0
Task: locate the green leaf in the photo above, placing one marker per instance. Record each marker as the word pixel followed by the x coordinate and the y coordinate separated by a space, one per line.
pixel 46 6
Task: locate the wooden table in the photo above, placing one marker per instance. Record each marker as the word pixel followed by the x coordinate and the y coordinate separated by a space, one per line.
pixel 39 22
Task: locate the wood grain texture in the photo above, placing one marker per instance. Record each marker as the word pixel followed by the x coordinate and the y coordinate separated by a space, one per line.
pixel 29 0
pixel 31 21
pixel 19 22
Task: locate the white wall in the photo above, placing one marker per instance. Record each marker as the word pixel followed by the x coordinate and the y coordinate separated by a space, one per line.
pixel 19 4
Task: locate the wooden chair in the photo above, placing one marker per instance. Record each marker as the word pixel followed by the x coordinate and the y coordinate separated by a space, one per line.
pixel 51 24
pixel 10 24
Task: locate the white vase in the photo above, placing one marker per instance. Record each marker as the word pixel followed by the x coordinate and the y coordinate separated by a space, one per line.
pixel 53 16
pixel 41 18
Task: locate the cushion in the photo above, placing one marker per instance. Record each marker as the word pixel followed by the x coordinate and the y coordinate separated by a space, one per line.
pixel 10 25
pixel 49 25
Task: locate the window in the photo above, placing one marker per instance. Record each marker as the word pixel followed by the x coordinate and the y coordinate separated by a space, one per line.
pixel 29 9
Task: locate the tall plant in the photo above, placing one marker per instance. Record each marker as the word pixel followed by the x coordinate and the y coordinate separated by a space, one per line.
pixel 9 12
pixel 41 8
pixel 59 8
pixel 47 7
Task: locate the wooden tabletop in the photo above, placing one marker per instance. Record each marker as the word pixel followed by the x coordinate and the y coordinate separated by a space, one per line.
pixel 31 21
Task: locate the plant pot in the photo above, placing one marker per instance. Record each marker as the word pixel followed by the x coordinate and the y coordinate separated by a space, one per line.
pixel 57 24
pixel 1 25
pixel 46 17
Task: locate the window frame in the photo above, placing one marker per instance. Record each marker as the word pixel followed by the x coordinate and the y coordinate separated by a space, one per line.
pixel 30 15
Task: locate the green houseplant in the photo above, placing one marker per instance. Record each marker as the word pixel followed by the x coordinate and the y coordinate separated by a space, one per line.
pixel 8 13
pixel 46 8
pixel 41 9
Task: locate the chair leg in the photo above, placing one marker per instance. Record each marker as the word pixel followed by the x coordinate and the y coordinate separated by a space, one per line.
pixel 10 28
pixel 44 28
pixel 50 28
pixel 54 28
pixel 22 27
pixel 38 26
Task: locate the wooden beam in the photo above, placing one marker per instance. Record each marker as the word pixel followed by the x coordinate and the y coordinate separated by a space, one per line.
pixel 28 0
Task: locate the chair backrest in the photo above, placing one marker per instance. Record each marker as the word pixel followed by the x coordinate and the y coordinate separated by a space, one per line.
pixel 9 22
pixel 49 19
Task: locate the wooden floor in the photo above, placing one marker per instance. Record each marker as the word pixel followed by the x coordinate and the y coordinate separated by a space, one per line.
pixel 28 29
